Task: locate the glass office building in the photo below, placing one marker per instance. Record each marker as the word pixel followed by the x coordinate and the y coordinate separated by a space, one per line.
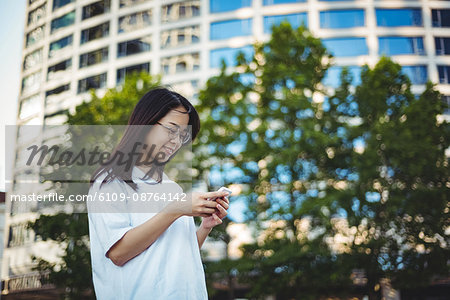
pixel 72 46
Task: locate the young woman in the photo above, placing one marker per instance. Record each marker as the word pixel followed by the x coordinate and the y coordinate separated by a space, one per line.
pixel 140 251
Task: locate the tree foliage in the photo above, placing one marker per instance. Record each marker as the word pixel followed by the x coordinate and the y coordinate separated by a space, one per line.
pixel 335 181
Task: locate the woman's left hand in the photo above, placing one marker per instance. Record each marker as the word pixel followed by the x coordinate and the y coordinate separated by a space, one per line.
pixel 216 218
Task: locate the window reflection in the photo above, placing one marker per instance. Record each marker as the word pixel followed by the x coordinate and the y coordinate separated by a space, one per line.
pixel 35 35
pixel 351 46
pixel 32 59
pixel 444 74
pixel 36 15
pixel 134 46
pixel 56 70
pixel 230 28
pixel 342 18
pixel 59 44
pixel 92 82
pixel 417 74
pixel 441 17
pixel 295 20
pixel 29 106
pixel 180 36
pixel 135 21
pixel 180 63
pixel 180 10
pixel 31 82
pixel 123 72
pixel 93 57
pixel 216 6
pixel 94 33
pixel 126 3
pixel 442 45
pixel 64 21
pixel 399 17
pixel 401 45
pixel 96 9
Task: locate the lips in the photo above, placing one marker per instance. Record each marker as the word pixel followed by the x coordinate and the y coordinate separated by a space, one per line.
pixel 168 150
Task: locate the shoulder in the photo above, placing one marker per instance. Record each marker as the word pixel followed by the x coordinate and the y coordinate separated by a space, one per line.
pixel 113 185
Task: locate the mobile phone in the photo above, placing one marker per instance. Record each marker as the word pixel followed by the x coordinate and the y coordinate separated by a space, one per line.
pixel 222 189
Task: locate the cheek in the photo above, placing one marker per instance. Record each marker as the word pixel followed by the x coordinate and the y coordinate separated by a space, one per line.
pixel 155 138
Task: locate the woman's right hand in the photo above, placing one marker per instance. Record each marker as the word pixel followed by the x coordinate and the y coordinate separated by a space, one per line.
pixel 197 204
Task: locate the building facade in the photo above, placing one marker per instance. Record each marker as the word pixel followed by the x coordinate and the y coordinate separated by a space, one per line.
pixel 72 46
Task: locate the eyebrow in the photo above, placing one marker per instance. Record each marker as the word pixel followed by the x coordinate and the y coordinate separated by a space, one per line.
pixel 175 124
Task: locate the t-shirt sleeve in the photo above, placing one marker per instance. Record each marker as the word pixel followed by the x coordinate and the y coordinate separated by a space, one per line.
pixel 110 220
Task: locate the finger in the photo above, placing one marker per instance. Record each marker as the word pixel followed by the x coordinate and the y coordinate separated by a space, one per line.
pixel 207 203
pixel 214 194
pixel 206 210
pixel 217 218
pixel 205 215
pixel 222 210
pixel 223 203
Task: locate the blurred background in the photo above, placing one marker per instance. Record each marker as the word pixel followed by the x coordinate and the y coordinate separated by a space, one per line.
pixel 327 119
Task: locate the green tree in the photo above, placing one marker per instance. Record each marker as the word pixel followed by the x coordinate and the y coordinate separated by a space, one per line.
pixel 73 274
pixel 295 147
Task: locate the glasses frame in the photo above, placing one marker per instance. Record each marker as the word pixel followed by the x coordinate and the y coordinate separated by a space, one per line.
pixel 172 135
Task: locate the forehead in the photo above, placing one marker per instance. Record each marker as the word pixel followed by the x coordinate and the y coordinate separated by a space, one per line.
pixel 175 117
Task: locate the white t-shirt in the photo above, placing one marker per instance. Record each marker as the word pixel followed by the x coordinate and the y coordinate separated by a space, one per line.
pixel 171 268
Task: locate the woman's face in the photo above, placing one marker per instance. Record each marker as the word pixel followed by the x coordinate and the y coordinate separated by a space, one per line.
pixel 160 136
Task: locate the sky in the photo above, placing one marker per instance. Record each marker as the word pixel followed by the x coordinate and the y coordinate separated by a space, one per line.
pixel 12 21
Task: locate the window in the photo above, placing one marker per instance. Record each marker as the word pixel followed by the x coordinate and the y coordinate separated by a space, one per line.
pixel 20 234
pixel 93 57
pixel 342 18
pixel 135 21
pixel 442 45
pixel 94 33
pixel 93 82
pixel 180 63
pixel 446 101
pixel 441 17
pixel 228 55
pixel 96 9
pixel 401 45
pixel 64 21
pixel 59 44
pixel 399 17
pixel 134 46
pixel 29 106
pixel 231 28
pixel 216 6
pixel 61 3
pixel 32 59
pixel 273 2
pixel 35 35
pixel 31 82
pixel 180 10
pixel 346 46
pixel 180 36
pixel 333 76
pixel 58 90
pixel 123 72
pixel 126 3
pixel 59 67
pixel 417 74
pixel 36 15
pixel 294 19
pixel 444 74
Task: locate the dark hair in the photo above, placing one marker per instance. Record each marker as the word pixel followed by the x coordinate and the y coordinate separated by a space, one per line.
pixel 153 106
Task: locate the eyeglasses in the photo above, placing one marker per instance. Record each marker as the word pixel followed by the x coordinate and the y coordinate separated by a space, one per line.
pixel 184 136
